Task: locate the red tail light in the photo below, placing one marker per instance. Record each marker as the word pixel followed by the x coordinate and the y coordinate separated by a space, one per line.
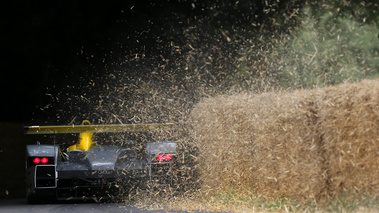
pixel 168 157
pixel 160 158
pixel 36 160
pixel 44 160
pixel 164 157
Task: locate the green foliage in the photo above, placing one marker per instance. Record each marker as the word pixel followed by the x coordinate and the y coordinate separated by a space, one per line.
pixel 329 49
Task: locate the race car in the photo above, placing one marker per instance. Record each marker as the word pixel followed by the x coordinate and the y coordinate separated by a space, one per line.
pixel 87 170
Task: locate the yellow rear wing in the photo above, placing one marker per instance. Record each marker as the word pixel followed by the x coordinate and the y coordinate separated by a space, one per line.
pixel 95 128
pixel 86 132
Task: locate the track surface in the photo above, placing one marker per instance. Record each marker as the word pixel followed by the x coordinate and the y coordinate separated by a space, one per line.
pixel 22 206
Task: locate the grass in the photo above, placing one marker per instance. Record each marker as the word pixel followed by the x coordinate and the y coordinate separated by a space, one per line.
pixel 348 203
pixel 233 198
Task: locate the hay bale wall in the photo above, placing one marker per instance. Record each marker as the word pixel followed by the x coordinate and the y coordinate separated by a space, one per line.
pixel 349 125
pixel 290 144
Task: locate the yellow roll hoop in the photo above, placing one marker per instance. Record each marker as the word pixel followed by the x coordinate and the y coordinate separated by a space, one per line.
pixel 85 142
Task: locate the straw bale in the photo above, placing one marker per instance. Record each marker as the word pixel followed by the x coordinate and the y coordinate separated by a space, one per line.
pixel 349 126
pixel 267 143
pixel 306 144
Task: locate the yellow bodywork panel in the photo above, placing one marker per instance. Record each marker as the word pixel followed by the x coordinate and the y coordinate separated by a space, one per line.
pixel 85 142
